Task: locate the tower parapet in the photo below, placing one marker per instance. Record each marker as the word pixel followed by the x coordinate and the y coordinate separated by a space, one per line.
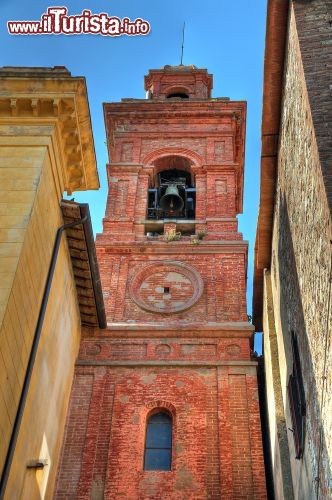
pixel 183 82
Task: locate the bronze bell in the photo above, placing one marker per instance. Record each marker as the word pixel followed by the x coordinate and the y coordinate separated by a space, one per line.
pixel 171 201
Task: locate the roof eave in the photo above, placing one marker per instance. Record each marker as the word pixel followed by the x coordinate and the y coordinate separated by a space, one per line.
pixel 275 43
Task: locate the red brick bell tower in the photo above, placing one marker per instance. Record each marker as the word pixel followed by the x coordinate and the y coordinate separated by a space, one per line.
pixel 164 402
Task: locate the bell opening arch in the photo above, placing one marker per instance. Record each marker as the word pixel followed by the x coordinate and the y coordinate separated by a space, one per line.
pixel 172 194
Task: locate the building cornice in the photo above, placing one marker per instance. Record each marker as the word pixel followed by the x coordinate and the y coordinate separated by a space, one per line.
pixel 51 96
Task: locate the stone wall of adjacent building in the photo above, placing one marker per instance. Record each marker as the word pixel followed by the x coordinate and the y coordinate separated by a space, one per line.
pixel 300 272
pixel 314 25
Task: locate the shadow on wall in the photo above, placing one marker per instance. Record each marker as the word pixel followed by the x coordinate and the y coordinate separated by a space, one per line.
pixel 31 486
pixel 305 470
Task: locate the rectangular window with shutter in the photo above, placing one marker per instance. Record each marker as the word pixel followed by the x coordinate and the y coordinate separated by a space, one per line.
pixel 297 399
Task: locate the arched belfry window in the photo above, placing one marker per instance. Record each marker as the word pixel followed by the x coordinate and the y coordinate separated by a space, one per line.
pixel 172 194
pixel 158 442
pixel 179 95
pixel 177 92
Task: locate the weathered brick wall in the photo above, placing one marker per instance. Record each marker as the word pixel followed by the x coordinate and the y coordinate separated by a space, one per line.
pixel 216 431
pixel 220 194
pixel 301 257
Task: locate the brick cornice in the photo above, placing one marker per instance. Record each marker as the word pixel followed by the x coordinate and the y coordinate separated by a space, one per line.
pixel 150 107
pixel 235 329
pixel 95 362
pixel 225 246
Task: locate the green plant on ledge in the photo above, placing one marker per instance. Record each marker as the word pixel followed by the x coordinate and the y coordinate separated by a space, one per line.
pixel 198 237
pixel 172 235
pixel 201 234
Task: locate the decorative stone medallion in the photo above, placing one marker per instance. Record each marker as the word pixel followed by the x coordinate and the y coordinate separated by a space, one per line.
pixel 166 287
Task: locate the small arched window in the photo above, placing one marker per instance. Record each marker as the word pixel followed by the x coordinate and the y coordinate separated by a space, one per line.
pixel 180 95
pixel 158 442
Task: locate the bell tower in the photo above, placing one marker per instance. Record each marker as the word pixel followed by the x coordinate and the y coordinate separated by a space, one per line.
pixel 165 402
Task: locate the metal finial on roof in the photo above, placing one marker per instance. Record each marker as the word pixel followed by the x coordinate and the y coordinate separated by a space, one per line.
pixel 184 25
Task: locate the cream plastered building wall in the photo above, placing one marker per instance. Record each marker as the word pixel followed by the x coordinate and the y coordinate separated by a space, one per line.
pixel 296 295
pixel 46 148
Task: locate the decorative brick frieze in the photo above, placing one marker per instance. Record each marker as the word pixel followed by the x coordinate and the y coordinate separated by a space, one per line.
pixel 191 349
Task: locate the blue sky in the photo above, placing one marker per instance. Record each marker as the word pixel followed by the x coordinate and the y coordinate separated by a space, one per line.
pixel 225 37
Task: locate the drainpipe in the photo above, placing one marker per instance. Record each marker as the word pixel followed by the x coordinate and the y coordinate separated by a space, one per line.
pixel 28 373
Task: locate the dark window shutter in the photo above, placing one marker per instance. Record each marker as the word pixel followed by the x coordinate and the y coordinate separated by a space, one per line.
pixel 296 398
